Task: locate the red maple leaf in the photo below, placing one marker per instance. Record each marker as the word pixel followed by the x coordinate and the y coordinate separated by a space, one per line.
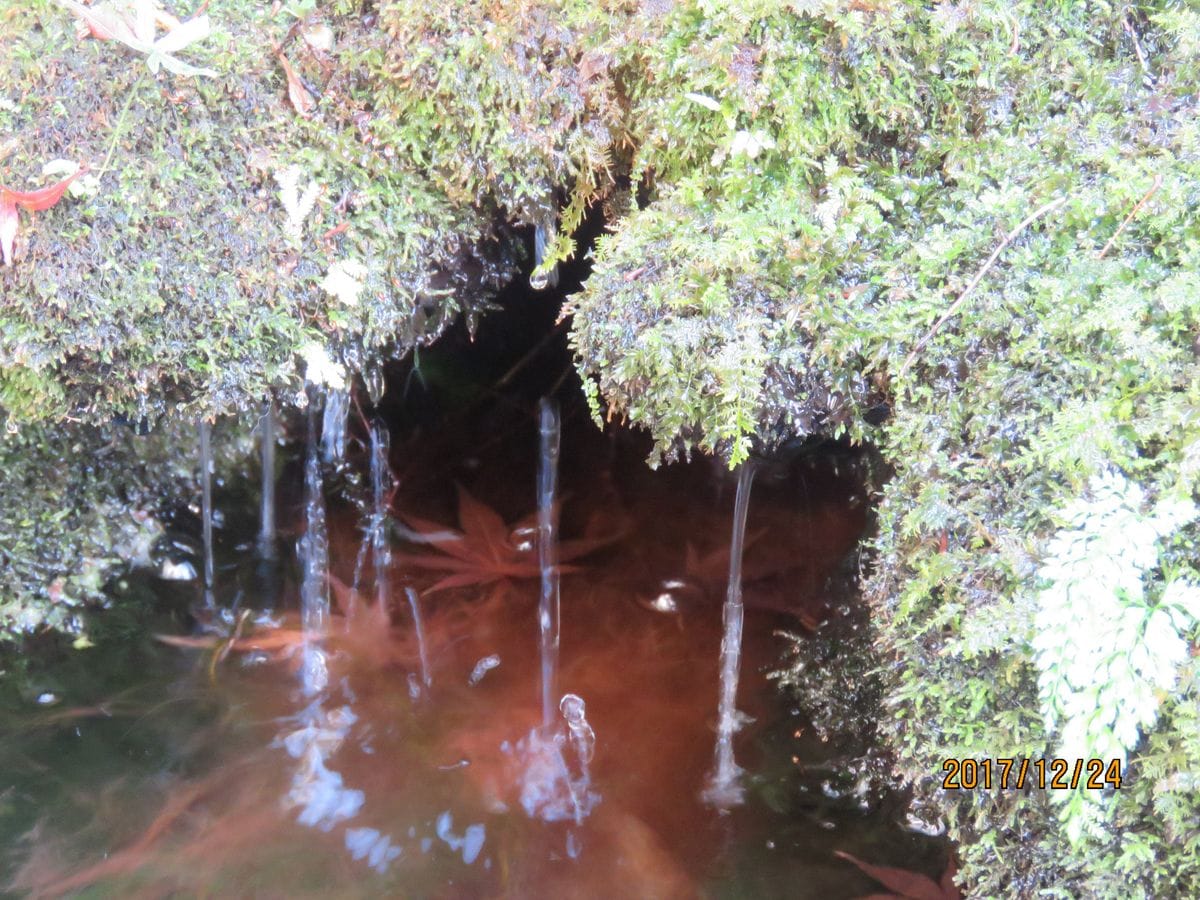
pixel 484 552
pixel 908 885
pixel 33 201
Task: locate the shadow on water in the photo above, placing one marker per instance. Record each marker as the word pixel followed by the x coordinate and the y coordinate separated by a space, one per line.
pixel 201 766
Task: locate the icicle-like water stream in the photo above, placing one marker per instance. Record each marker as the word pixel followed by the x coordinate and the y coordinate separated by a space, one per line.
pixel 206 508
pixel 377 531
pixel 549 430
pixel 314 562
pixel 723 789
pixel 288 747
pixel 266 532
pixel 333 425
pixel 414 604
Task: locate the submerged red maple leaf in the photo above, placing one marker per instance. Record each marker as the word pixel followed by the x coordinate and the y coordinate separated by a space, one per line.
pixel 908 885
pixel 486 550
pixel 33 201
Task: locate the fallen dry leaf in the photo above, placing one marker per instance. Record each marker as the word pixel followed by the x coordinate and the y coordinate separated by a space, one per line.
pixel 270 640
pixel 297 93
pixel 124 19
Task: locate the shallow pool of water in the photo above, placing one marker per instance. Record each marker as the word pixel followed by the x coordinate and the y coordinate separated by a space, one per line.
pixel 199 767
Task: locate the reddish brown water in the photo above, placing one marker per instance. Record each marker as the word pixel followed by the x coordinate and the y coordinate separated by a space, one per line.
pixel 212 776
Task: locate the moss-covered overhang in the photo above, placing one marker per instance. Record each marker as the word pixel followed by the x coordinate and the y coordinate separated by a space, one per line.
pixel 837 207
pixel 218 230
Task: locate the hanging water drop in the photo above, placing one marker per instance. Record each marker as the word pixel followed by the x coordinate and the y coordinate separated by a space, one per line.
pixel 372 375
pixel 539 281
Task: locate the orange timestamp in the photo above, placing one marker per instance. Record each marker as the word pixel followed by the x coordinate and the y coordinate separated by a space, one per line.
pixel 1012 773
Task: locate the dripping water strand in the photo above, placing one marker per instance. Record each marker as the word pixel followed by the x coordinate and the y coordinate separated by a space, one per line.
pixel 583 743
pixel 360 563
pixel 206 508
pixel 414 603
pixel 548 609
pixel 266 533
pixel 723 789
pixel 381 551
pixel 313 553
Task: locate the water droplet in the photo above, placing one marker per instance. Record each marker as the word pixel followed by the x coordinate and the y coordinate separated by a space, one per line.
pixel 523 540
pixel 177 571
pixel 372 375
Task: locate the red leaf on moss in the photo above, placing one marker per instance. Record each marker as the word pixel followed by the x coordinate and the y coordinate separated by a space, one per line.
pixel 33 201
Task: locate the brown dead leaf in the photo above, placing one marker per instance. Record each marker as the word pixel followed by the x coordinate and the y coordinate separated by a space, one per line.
pixel 302 101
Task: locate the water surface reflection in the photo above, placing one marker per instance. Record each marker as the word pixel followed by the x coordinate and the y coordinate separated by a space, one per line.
pixel 228 776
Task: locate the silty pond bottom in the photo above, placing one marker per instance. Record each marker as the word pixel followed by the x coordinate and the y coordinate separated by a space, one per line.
pixel 210 766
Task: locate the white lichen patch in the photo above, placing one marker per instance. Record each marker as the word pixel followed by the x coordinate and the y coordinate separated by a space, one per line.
pixel 320 369
pixel 297 202
pixel 345 280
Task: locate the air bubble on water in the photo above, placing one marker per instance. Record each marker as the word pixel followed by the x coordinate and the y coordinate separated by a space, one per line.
pixel 523 539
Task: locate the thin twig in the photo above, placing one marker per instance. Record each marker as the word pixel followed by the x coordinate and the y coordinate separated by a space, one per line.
pixel 1129 218
pixel 962 298
pixel 1137 48
pixel 120 124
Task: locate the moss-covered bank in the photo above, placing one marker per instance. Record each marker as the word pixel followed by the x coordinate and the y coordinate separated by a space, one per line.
pixel 831 183
pixel 80 503
pixel 219 245
pixel 221 231
pixel 979 215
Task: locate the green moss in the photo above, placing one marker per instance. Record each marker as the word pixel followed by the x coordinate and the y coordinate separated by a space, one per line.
pixel 827 181
pixel 515 104
pixel 77 505
pixel 820 183
pixel 179 286
pixel 689 328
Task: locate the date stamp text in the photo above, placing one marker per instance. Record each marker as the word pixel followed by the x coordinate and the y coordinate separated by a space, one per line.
pixel 1015 774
